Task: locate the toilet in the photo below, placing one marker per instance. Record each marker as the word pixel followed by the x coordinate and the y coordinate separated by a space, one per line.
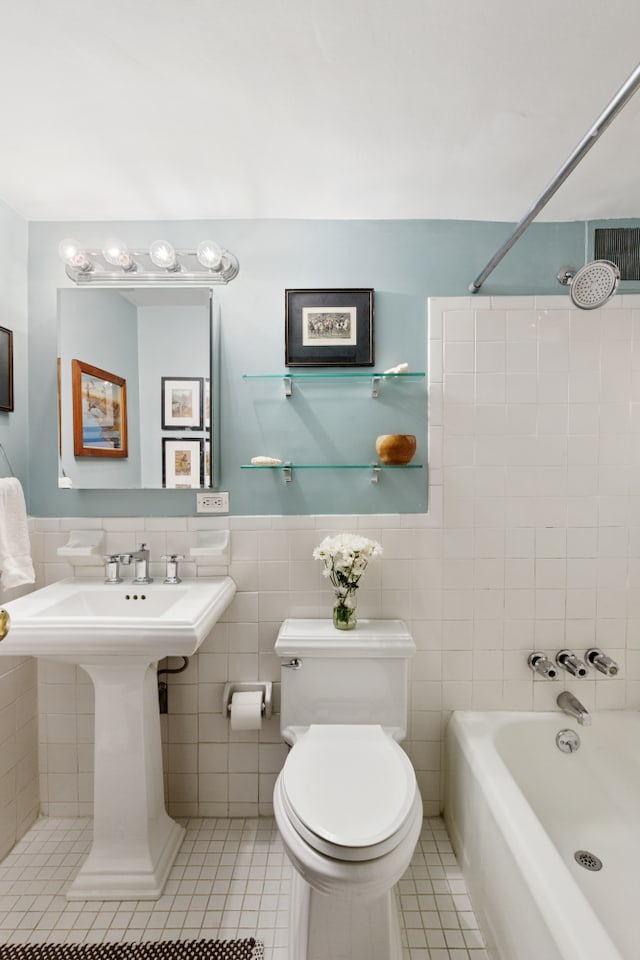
pixel 346 801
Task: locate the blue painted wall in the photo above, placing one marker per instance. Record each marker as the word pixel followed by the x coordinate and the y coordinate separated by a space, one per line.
pixel 404 261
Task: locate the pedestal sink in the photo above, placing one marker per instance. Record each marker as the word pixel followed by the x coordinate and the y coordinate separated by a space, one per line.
pixel 117 633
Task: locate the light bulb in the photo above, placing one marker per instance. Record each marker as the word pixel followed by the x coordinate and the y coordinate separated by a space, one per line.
pixel 72 253
pixel 209 255
pixel 162 255
pixel 115 252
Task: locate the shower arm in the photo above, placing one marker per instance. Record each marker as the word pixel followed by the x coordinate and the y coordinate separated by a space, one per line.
pixel 623 95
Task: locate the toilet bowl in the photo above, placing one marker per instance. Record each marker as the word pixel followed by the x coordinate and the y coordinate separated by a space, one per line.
pixel 349 813
pixel 346 801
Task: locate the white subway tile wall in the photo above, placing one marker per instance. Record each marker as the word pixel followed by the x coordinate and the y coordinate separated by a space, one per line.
pixel 532 541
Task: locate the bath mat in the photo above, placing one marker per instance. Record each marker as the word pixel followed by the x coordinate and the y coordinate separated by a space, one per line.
pixel 248 949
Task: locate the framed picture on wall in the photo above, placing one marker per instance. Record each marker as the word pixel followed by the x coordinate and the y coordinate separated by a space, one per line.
pixel 182 403
pixel 182 463
pixel 6 369
pixel 325 328
pixel 99 412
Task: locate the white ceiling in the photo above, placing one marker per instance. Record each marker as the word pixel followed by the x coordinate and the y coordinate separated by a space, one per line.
pixel 210 109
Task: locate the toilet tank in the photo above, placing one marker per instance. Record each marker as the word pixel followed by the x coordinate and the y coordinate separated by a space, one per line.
pixel 354 676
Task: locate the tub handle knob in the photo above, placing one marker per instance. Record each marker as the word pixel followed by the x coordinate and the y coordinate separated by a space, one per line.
pixel 571 663
pixel 601 662
pixel 540 664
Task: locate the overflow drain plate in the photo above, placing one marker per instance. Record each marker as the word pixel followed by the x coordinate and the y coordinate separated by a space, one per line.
pixel 587 860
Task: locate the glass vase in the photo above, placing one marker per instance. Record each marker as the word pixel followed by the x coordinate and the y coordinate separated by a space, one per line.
pixel 344 611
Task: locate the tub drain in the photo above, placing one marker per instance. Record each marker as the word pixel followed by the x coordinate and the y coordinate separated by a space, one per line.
pixel 588 860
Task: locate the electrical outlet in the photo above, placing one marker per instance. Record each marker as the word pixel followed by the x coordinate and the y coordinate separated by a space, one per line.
pixel 212 503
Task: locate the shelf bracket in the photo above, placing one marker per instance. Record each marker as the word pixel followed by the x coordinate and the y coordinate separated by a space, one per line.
pixel 375 475
pixel 288 386
pixel 287 472
pixel 375 383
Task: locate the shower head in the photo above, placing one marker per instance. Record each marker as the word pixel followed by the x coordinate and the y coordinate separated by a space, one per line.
pixel 592 285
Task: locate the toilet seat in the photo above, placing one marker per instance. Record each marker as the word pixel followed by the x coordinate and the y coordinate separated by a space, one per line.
pixel 348 790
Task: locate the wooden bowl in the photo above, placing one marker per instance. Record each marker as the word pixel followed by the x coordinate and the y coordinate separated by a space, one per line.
pixel 395 448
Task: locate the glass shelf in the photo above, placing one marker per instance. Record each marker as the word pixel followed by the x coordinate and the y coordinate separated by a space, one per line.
pixel 375 378
pixel 288 468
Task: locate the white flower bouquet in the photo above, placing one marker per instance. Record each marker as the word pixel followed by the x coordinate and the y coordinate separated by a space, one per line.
pixel 345 558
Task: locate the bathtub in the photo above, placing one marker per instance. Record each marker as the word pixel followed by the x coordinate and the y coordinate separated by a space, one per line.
pixel 518 809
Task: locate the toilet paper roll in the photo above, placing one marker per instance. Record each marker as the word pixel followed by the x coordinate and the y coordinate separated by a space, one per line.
pixel 246 710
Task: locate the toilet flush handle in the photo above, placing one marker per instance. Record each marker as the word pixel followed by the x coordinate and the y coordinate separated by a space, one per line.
pixel 294 664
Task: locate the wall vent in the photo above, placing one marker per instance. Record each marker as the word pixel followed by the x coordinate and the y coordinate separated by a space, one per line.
pixel 621 245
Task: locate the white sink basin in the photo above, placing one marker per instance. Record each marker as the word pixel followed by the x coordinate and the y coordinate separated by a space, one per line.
pixel 117 633
pixel 78 620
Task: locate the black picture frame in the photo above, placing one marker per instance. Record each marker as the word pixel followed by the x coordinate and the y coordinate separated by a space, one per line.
pixel 182 403
pixel 182 463
pixel 328 328
pixel 6 369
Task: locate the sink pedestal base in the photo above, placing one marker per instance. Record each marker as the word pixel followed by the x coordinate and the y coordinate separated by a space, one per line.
pixel 135 841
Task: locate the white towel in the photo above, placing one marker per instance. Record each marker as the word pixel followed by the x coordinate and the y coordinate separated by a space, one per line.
pixel 16 567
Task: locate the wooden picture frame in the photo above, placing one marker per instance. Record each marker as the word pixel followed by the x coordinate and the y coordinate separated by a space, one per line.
pixel 99 412
pixel 182 402
pixel 326 328
pixel 6 369
pixel 182 463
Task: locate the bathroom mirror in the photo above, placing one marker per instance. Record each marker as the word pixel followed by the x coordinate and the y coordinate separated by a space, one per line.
pixel 135 379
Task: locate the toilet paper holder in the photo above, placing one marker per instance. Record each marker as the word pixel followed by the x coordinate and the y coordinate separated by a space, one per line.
pixel 263 686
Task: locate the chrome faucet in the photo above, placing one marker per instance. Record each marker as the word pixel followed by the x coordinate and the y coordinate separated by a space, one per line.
pixel 541 664
pixel 571 663
pixel 601 662
pixel 141 559
pixel 112 571
pixel 572 706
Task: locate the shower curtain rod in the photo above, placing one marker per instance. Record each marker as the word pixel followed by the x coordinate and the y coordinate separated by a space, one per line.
pixel 623 95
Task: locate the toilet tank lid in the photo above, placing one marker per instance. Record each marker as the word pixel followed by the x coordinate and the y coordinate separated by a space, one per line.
pixel 379 638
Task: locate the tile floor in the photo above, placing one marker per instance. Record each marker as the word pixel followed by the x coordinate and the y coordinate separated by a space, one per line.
pixel 230 879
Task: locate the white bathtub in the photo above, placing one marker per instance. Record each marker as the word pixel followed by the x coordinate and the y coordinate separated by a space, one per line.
pixel 517 810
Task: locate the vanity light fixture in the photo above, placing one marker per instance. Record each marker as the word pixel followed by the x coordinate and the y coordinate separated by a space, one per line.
pixel 74 256
pixel 163 256
pixel 116 265
pixel 115 252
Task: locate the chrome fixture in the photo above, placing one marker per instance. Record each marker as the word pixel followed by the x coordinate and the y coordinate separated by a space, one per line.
pixel 172 567
pixel 265 687
pixel 540 664
pixel 112 571
pixel 572 706
pixel 601 662
pixel 141 559
pixel 623 95
pixel 592 285
pixel 567 741
pixel 161 263
pixel 294 664
pixel 571 663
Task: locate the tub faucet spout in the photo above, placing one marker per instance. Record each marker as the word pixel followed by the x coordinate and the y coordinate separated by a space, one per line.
pixel 572 706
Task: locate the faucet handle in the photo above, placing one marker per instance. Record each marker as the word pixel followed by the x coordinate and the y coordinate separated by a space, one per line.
pixel 112 573
pixel 540 663
pixel 601 662
pixel 172 567
pixel 571 663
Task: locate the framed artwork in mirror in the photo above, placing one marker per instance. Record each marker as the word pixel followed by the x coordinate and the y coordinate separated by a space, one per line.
pixel 327 328
pixel 182 463
pixel 99 412
pixel 6 369
pixel 182 403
